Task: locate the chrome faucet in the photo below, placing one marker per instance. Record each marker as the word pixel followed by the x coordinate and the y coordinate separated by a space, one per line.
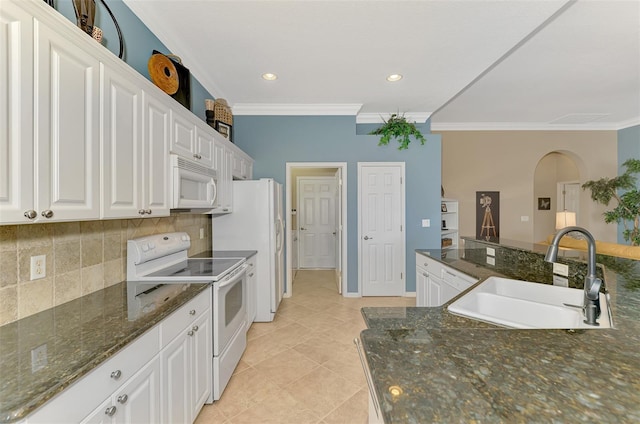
pixel 592 284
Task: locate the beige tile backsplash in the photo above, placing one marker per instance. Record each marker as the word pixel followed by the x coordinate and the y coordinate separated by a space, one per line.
pixel 82 257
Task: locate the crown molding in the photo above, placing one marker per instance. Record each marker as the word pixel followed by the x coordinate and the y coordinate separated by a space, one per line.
pixel 295 109
pixel 378 118
pixel 524 126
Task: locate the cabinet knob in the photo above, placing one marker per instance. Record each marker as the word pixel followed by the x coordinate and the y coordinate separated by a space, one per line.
pixel 251 275
pixel 190 333
pixel 31 214
pixel 197 156
pixel 192 312
pixel 195 328
pixel 110 411
pixel 141 212
pixel 116 374
pixel 47 213
pixel 368 238
pixel 425 274
pixel 123 398
pixel 147 211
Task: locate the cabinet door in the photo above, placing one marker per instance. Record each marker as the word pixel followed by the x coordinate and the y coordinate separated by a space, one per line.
pixel 201 362
pixel 155 162
pixel 122 146
pixel 183 135
pixel 175 381
pixel 422 282
pixel 439 292
pixel 138 401
pixel 67 127
pixel 16 114
pixel 204 147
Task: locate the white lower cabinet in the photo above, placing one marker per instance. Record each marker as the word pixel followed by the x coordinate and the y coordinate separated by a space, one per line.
pixel 437 283
pixel 137 401
pixel 186 372
pixel 164 376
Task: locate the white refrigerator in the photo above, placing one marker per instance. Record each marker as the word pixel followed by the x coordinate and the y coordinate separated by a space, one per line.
pixel 256 223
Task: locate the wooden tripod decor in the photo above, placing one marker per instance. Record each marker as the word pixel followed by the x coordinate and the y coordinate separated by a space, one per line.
pixel 487 222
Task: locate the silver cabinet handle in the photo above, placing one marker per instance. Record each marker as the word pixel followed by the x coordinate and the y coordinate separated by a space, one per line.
pixel 425 274
pixel 47 213
pixel 192 312
pixel 123 398
pixel 147 211
pixel 197 156
pixel 251 275
pixel 141 212
pixel 368 238
pixel 190 333
pixel 110 411
pixel 31 214
pixel 367 375
pixel 195 328
pixel 426 264
pixel 116 374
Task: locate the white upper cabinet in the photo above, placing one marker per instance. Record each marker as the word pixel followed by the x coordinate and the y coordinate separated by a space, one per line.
pixel 190 139
pixel 155 162
pixel 67 127
pixel 134 150
pixel 50 144
pixel 16 114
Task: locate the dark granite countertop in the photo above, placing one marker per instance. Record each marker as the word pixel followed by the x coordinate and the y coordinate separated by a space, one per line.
pixel 79 335
pixel 454 369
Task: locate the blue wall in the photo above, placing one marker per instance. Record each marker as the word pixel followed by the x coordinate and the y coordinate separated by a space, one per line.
pixel 275 140
pixel 139 42
pixel 628 147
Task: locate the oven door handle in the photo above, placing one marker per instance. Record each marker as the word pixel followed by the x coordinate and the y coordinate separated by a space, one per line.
pixel 234 276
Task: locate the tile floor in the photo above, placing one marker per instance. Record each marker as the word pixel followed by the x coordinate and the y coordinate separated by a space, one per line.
pixel 303 367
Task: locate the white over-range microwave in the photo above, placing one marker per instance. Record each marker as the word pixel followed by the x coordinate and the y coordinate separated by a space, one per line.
pixel 193 185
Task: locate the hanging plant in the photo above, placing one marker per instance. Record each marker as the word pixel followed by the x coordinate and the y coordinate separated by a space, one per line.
pixel 397 127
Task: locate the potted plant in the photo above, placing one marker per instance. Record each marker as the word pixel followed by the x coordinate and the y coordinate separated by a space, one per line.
pixel 628 202
pixel 397 127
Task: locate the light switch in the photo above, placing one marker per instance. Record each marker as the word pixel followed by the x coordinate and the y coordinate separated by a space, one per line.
pixel 426 223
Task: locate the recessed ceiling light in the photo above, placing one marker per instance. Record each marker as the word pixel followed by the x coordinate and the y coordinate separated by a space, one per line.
pixel 394 77
pixel 269 76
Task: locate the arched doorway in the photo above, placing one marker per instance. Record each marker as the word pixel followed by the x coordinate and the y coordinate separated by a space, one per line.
pixel 556 178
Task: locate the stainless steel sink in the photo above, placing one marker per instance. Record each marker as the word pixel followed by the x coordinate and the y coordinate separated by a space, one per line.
pixel 524 304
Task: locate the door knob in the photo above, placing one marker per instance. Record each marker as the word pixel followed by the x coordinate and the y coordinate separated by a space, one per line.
pixel 368 238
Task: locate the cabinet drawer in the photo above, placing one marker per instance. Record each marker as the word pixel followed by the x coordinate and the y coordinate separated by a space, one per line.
pixel 78 400
pixel 457 279
pixel 180 319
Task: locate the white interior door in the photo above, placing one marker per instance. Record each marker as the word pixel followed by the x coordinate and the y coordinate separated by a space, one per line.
pixel 569 198
pixel 317 222
pixel 381 230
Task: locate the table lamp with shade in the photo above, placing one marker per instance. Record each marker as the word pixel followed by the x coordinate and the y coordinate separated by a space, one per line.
pixel 565 219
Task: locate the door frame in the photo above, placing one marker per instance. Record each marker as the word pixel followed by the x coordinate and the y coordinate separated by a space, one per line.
pixel 342 166
pixel 403 201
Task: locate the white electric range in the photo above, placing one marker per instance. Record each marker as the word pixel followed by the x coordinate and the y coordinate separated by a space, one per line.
pixel 158 267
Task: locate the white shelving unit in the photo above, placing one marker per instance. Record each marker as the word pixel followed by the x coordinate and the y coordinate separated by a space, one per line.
pixel 449 224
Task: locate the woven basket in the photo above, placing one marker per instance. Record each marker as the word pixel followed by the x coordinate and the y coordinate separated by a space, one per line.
pixel 222 112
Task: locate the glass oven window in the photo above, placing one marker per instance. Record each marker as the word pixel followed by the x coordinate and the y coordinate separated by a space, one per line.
pixel 233 302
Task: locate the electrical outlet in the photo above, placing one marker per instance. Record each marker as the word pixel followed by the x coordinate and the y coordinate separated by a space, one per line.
pixel 491 260
pixel 38 267
pixel 201 233
pixel 38 358
pixel 560 281
pixel 491 251
pixel 561 269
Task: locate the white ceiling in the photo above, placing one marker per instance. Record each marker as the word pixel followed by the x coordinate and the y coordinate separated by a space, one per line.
pixel 474 64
